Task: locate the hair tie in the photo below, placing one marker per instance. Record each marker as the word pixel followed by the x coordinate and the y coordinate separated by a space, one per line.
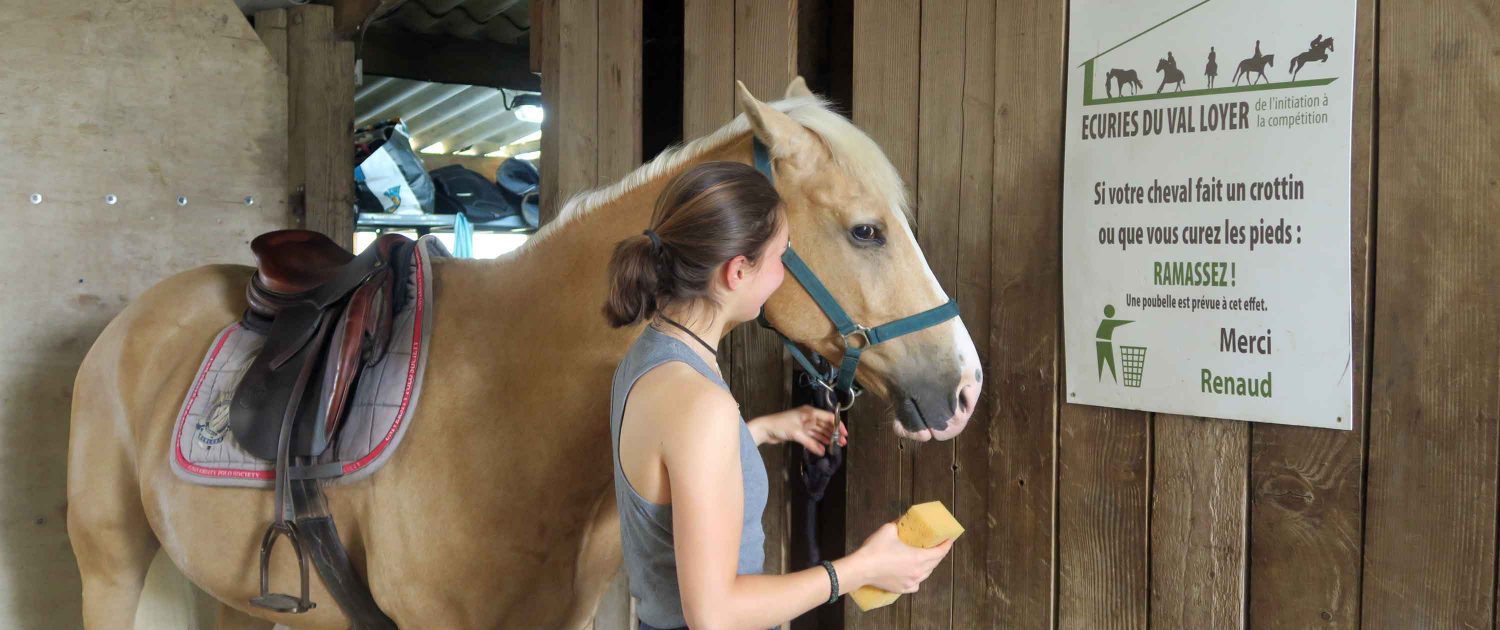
pixel 655 240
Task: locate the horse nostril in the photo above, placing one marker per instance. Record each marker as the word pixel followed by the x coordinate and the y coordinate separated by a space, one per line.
pixel 963 400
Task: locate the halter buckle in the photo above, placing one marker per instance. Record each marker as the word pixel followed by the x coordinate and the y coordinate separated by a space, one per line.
pixel 862 333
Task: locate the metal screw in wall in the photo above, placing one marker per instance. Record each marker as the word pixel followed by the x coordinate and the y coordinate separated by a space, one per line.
pixel 111 199
pixel 36 198
pixel 181 200
pixel 249 200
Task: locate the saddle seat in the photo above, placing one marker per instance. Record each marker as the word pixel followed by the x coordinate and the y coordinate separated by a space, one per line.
pixel 326 314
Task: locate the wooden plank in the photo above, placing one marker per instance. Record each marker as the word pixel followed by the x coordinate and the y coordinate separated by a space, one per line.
pixel 1430 547
pixel 1198 522
pixel 886 68
pixel 707 98
pixel 549 202
pixel 270 26
pixel 320 86
pixel 619 88
pixel 971 455
pixel 1103 490
pixel 708 57
pixel 390 52
pixel 765 54
pixel 576 98
pixel 940 134
pixel 1025 312
pixel 1306 494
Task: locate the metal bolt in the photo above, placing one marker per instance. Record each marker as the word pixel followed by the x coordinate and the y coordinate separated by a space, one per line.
pixel 181 200
pixel 36 198
pixel 111 199
pixel 249 200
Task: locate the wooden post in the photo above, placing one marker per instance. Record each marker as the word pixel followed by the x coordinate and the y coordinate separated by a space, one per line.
pixel 320 105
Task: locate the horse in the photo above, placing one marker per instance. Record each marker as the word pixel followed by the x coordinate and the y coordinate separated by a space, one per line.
pixel 1122 78
pixel 1316 53
pixel 1170 74
pixel 497 510
pixel 1254 65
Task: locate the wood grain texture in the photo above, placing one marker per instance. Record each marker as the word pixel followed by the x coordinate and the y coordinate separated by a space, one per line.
pixel 765 58
pixel 940 133
pixel 1025 315
pixel 1198 522
pixel 1306 485
pixel 320 85
pixel 578 97
pixel 270 26
pixel 885 99
pixel 1103 494
pixel 972 288
pixel 619 88
pixel 551 64
pixel 1430 510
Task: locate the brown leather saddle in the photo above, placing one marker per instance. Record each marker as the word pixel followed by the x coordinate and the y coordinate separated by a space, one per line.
pixel 327 315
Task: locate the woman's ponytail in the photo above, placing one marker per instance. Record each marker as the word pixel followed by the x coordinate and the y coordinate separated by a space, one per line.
pixel 634 282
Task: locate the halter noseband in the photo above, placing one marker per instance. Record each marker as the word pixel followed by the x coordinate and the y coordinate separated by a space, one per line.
pixel 856 338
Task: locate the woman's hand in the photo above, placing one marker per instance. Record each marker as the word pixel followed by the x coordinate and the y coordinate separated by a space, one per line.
pixel 806 425
pixel 886 562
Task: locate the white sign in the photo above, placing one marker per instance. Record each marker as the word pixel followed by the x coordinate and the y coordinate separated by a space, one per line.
pixel 1206 208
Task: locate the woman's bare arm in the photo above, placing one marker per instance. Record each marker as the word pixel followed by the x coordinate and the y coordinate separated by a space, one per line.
pixel 701 453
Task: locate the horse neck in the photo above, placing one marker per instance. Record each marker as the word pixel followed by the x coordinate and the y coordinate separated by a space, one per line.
pixel 549 293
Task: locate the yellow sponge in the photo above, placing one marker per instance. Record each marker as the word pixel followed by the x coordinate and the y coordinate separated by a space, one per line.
pixel 924 525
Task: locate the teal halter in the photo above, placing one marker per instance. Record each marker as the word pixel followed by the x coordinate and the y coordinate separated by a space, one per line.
pixel 857 338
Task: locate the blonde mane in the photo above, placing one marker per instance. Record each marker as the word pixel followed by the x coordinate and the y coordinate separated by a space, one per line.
pixel 852 150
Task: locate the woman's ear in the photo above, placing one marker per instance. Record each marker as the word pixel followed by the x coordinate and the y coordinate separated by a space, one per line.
pixel 735 272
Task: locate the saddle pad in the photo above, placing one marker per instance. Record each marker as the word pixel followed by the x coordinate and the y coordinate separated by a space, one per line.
pixel 204 449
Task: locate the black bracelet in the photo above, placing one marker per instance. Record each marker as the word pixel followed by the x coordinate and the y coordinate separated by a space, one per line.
pixel 833 579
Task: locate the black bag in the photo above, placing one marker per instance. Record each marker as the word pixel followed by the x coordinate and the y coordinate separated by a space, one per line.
pixel 462 190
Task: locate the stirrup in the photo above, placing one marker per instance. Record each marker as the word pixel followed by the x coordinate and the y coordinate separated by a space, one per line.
pixel 280 602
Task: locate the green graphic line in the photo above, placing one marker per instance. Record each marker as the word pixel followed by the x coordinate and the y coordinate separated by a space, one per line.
pixel 1088 89
pixel 1145 31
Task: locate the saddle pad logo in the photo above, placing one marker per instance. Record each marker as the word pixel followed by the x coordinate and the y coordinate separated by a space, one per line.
pixel 215 426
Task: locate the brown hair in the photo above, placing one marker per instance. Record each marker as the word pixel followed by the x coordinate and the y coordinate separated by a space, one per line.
pixel 706 216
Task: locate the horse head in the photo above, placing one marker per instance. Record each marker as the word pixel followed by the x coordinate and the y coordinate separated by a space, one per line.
pixel 1161 65
pixel 846 206
pixel 1271 60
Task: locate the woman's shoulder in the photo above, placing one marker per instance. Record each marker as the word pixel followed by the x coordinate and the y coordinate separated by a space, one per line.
pixel 680 397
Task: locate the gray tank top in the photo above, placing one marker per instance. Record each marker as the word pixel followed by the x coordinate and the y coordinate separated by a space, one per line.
pixel 645 527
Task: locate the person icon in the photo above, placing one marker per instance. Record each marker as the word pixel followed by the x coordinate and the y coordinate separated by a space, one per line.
pixel 1257 50
pixel 1104 341
pixel 1317 41
pixel 1212 70
pixel 1171 61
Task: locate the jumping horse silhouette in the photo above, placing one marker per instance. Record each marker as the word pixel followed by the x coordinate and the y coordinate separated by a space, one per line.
pixel 1318 52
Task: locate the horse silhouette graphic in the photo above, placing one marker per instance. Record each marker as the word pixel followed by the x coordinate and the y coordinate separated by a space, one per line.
pixel 1121 79
pixel 1318 51
pixel 1170 74
pixel 1254 65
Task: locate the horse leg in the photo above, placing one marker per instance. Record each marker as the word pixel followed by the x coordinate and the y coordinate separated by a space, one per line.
pixel 231 618
pixel 107 523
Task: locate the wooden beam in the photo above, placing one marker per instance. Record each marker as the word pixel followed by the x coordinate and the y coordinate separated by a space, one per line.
pixel 392 53
pixel 320 92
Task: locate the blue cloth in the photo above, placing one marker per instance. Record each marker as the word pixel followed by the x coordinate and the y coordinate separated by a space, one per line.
pixel 646 527
pixel 463 237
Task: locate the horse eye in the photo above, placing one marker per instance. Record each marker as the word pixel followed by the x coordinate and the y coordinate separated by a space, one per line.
pixel 866 233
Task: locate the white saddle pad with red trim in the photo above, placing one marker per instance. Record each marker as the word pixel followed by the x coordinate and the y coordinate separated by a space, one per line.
pixel 204 450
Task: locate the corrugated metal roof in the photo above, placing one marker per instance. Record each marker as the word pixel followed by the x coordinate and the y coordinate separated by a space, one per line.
pixel 503 21
pixel 459 116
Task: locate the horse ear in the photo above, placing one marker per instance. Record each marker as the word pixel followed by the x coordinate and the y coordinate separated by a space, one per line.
pixel 797 88
pixel 786 138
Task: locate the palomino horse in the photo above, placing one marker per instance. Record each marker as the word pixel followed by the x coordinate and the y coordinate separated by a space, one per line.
pixel 1318 52
pixel 1122 78
pixel 1254 65
pixel 497 510
pixel 1170 74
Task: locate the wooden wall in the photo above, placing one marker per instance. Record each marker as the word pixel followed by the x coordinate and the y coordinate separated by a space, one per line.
pixel 148 101
pixel 1086 517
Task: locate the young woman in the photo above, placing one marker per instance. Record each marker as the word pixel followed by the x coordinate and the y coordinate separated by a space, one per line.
pixel 689 482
